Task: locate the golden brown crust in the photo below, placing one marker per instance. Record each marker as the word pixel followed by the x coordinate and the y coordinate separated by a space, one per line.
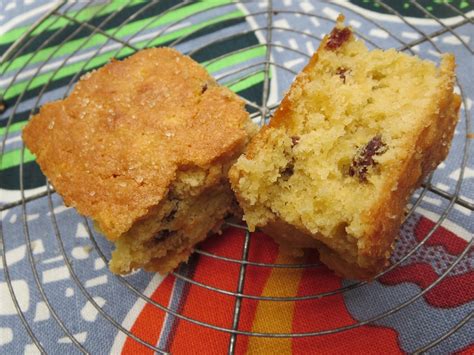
pixel 279 118
pixel 293 241
pixel 114 145
pixel 431 148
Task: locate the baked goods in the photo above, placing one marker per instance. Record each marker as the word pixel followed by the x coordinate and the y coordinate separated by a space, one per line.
pixel 143 146
pixel 355 134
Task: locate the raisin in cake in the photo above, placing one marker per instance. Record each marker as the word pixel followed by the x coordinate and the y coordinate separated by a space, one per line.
pixel 355 134
pixel 143 147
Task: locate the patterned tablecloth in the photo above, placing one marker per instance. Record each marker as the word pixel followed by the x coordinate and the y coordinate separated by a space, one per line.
pixel 55 263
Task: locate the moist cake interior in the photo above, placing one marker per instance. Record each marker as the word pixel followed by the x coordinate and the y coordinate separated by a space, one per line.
pixel 349 126
pixel 196 203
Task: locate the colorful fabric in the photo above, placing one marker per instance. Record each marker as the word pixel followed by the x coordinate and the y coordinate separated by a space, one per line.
pixel 54 262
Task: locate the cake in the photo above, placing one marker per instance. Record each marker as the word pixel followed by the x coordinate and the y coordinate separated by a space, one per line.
pixel 356 133
pixel 143 147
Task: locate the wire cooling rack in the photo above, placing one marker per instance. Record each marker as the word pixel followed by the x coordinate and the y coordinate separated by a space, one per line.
pixel 267 25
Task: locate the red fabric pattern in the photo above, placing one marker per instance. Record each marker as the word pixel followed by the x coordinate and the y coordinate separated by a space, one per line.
pixel 263 249
pixel 452 291
pixel 448 240
pixel 468 350
pixel 298 317
pixel 219 274
pixel 330 312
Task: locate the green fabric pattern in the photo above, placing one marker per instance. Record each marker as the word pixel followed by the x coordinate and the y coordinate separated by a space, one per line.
pixel 437 8
pixel 60 74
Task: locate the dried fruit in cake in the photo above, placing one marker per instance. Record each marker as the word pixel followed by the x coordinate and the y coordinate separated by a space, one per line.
pixel 370 126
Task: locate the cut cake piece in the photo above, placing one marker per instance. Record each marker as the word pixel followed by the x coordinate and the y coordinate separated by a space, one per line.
pixel 143 147
pixel 357 132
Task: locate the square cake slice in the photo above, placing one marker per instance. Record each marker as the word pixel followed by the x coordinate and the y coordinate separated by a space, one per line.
pixel 357 132
pixel 143 147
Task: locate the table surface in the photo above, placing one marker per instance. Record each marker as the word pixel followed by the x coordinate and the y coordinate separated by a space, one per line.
pixel 56 262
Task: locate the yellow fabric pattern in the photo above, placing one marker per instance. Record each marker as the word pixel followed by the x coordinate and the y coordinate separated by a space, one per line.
pixel 276 317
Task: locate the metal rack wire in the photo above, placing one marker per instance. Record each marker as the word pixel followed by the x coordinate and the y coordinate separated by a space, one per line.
pixel 261 112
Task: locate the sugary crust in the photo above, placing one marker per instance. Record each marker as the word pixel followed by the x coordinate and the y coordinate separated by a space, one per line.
pixel 383 220
pixel 112 148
